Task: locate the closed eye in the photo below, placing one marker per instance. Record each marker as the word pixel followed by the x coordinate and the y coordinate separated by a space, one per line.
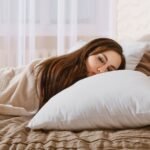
pixel 101 59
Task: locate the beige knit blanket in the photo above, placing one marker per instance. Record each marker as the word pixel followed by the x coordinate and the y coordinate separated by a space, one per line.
pixel 15 136
pixel 18 94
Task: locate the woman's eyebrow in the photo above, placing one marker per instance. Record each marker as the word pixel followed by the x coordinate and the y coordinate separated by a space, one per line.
pixel 107 60
pixel 105 57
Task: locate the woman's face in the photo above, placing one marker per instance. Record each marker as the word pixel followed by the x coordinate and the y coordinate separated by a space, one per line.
pixel 103 62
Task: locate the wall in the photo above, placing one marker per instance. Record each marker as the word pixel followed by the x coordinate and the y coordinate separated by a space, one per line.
pixel 133 19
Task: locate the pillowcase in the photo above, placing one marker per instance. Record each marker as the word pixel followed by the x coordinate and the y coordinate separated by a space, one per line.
pixel 133 51
pixel 144 64
pixel 117 99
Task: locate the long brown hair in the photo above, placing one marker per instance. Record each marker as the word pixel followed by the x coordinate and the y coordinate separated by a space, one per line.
pixel 58 73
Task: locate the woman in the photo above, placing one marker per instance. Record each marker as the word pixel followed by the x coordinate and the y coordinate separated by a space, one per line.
pixel 97 56
pixel 23 91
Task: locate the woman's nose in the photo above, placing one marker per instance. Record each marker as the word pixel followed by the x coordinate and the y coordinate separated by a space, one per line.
pixel 102 68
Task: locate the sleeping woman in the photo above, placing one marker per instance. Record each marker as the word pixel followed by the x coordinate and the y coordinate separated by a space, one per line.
pixel 24 90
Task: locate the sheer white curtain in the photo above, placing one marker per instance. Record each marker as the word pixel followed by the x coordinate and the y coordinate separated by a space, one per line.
pixel 17 32
pixel 31 29
pixel 84 20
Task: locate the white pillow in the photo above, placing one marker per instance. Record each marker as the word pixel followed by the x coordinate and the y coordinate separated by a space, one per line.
pixel 117 99
pixel 133 51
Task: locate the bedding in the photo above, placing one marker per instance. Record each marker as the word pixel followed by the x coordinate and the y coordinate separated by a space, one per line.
pixel 144 63
pixel 15 136
pixel 18 95
pixel 133 51
pixel 116 99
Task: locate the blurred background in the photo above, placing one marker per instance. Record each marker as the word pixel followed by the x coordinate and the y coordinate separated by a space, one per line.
pixel 31 29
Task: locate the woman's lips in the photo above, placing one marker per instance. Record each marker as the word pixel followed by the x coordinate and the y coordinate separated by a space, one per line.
pixel 92 73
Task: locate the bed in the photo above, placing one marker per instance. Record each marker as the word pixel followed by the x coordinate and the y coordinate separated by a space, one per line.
pixel 14 134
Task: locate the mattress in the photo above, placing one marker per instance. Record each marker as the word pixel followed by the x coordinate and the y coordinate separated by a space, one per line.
pixel 15 136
